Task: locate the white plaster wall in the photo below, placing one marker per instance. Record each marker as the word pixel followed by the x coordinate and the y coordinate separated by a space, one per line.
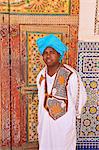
pixel 87 21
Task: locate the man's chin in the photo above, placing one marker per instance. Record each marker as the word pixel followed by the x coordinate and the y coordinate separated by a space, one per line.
pixel 49 64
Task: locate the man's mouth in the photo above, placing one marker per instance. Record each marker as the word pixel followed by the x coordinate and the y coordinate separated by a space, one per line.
pixel 48 60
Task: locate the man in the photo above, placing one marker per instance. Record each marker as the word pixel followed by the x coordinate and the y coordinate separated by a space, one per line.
pixel 61 97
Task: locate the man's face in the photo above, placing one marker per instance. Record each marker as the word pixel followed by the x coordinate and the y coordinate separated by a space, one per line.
pixel 51 57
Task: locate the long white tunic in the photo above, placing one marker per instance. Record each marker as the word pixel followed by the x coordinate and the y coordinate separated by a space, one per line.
pixel 59 134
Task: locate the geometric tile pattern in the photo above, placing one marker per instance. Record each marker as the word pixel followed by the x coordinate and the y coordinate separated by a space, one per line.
pixel 88 67
pixel 90 113
pixel 88 46
pixel 88 63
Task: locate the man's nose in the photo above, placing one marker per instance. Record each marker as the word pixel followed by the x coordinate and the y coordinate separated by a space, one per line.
pixel 48 55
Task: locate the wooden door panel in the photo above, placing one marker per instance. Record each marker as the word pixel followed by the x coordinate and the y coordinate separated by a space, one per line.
pixel 33 63
pixel 4 83
pixel 18 31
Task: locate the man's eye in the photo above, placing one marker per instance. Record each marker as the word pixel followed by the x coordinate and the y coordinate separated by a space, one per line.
pixel 44 53
pixel 52 52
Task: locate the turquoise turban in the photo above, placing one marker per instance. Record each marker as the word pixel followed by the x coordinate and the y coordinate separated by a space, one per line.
pixel 51 41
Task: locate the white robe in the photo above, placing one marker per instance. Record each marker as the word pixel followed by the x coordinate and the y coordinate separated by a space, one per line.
pixel 59 134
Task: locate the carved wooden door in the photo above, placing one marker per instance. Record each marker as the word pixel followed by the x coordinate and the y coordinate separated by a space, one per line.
pixel 21 24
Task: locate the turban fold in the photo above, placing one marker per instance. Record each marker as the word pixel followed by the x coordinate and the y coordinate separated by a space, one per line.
pixel 51 41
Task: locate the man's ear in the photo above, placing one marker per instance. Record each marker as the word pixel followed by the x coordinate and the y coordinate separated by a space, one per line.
pixel 60 59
